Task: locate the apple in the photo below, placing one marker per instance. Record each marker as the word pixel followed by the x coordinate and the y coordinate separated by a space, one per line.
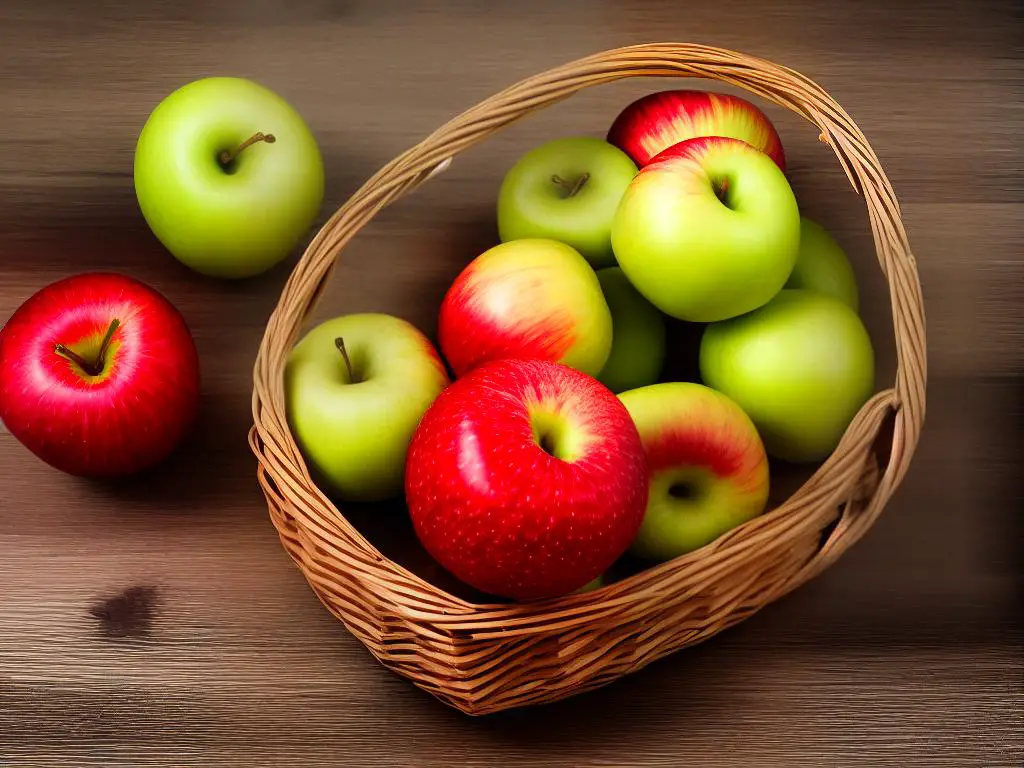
pixel 801 367
pixel 821 265
pixel 355 387
pixel 709 471
pixel 99 375
pixel 638 334
pixel 526 479
pixel 533 299
pixel 566 190
pixel 592 585
pixel 228 176
pixel 655 122
pixel 708 230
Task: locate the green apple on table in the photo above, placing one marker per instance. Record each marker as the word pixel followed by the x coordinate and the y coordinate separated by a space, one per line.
pixel 708 230
pixel 822 266
pixel 228 176
pixel 356 387
pixel 708 468
pixel 638 334
pixel 801 367
pixel 566 190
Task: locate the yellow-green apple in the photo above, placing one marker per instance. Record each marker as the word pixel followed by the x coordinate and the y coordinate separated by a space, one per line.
pixel 356 387
pixel 533 299
pixel 566 190
pixel 822 265
pixel 709 471
pixel 228 176
pixel 708 230
pixel 801 366
pixel 99 375
pixel 655 122
pixel 638 334
pixel 526 479
pixel 593 584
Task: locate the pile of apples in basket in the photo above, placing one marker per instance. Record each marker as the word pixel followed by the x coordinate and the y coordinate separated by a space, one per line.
pixel 539 442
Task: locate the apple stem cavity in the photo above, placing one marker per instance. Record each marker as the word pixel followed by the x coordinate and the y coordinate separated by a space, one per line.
pixel 95 367
pixel 571 188
pixel 340 344
pixel 227 156
pixel 721 190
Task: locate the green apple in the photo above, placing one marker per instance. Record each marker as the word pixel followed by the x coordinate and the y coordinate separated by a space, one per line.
pixel 356 387
pixel 638 334
pixel 708 230
pixel 709 471
pixel 566 190
pixel 821 265
pixel 801 366
pixel 228 176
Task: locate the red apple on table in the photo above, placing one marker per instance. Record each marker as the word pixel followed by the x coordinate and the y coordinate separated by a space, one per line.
pixel 99 375
pixel 534 298
pixel 655 122
pixel 526 479
pixel 709 471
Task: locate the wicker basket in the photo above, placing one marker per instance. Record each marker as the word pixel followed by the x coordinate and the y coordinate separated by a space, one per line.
pixel 484 658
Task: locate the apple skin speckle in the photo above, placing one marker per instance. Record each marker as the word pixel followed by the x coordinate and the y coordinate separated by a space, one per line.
pixel 504 515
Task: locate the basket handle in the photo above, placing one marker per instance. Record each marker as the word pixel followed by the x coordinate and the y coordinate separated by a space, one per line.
pixel 778 84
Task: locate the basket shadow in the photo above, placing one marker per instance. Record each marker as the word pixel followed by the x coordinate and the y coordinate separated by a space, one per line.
pixel 631 708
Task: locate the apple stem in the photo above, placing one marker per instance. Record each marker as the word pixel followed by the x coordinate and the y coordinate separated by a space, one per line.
pixel 340 344
pixel 228 155
pixel 94 368
pixel 69 354
pixel 721 188
pixel 571 188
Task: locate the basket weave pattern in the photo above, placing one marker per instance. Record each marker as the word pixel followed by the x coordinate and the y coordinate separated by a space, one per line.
pixel 485 658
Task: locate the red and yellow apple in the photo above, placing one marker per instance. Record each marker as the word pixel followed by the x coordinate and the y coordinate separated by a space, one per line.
pixel 709 230
pixel 526 479
pixel 99 375
pixel 657 121
pixel 708 468
pixel 534 299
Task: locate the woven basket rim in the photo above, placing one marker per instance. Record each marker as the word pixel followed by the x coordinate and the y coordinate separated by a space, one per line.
pixel 346 570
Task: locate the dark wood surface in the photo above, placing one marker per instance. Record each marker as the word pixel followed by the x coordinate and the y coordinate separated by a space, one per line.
pixel 158 622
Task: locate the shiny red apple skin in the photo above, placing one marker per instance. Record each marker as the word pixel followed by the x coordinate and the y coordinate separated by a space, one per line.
pixel 127 418
pixel 534 298
pixel 659 120
pixel 504 515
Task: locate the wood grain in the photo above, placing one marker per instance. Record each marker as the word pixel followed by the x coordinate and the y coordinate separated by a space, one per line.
pixel 906 653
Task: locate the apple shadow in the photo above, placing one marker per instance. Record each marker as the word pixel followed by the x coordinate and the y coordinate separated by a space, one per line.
pixel 682 350
pixel 386 525
pixel 184 483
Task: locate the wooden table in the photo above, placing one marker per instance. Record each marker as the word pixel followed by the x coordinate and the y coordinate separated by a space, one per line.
pixel 158 622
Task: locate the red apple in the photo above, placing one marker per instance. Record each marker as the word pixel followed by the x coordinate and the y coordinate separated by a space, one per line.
pixel 530 299
pixel 659 120
pixel 99 375
pixel 526 479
